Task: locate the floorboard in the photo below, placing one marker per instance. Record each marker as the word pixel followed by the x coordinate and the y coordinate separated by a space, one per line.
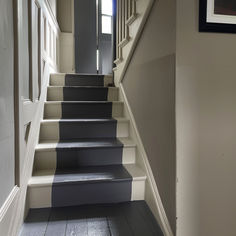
pixel 123 219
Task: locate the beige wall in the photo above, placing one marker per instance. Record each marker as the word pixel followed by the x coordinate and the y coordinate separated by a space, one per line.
pixel 149 85
pixel 206 127
pixel 64 15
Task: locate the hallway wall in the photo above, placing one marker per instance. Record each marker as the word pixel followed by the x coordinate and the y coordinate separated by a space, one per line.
pixel 64 15
pixel 7 156
pixel 149 84
pixel 38 56
pixel 206 127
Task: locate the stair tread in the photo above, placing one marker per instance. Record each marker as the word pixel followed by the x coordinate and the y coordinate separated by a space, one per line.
pixel 81 102
pixel 82 87
pixel 87 174
pixel 119 119
pixel 84 143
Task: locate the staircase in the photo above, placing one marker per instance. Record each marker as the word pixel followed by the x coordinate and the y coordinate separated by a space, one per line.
pixel 85 155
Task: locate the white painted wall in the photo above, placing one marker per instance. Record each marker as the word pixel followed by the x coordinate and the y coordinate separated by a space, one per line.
pixel 206 127
pixel 7 156
pixel 149 85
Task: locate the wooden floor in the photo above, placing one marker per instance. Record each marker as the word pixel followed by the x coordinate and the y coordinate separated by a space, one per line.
pixel 125 219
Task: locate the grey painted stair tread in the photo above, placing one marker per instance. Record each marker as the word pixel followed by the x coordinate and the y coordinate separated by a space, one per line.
pixel 87 120
pixel 84 79
pixel 86 109
pixel 85 94
pixel 80 87
pixel 84 102
pixel 81 75
pixel 89 143
pixel 104 219
pixel 91 175
pixel 104 128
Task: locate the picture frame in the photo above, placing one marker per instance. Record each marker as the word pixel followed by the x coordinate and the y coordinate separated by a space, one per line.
pixel 217 16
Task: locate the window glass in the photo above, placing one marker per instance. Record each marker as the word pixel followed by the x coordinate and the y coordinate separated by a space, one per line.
pixel 106 24
pixel 107 7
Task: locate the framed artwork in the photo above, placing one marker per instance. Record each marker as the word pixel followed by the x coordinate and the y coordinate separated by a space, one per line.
pixel 217 16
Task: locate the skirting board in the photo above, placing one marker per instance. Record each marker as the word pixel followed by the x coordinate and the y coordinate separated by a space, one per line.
pixel 154 201
pixel 6 211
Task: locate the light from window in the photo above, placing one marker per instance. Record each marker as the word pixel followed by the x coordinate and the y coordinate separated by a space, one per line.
pixel 97 60
pixel 107 7
pixel 106 24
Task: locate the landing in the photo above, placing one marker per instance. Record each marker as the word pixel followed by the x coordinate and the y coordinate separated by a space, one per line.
pixel 125 219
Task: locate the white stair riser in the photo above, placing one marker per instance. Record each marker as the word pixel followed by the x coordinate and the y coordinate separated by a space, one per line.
pixel 59 80
pixel 54 110
pixel 50 130
pixel 47 159
pixel 40 196
pixel 56 94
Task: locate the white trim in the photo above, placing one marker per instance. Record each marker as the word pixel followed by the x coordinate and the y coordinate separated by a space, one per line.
pixel 165 225
pixel 48 7
pixel 131 19
pixel 216 18
pixel 6 205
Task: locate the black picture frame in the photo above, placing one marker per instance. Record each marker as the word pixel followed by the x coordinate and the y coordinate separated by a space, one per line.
pixel 205 26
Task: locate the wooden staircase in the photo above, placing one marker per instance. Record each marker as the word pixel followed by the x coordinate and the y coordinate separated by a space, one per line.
pixel 85 155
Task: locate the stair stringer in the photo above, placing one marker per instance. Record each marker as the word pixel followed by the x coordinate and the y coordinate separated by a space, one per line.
pixel 152 196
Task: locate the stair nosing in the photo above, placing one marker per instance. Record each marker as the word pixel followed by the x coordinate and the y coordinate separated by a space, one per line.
pixel 105 102
pixel 46 181
pixel 54 145
pixel 85 87
pixel 102 120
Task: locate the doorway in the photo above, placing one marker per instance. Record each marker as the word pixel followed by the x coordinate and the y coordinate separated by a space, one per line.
pixel 94 33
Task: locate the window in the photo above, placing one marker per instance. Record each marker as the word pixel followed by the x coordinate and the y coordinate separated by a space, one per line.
pixel 106 16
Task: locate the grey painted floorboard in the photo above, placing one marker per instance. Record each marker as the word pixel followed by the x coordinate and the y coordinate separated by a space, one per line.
pixel 118 223
pixel 36 222
pixel 57 222
pixel 123 219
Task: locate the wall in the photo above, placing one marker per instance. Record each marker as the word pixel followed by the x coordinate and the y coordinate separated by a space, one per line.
pixel 64 13
pixel 65 17
pixel 149 84
pixel 30 77
pixel 7 157
pixel 206 127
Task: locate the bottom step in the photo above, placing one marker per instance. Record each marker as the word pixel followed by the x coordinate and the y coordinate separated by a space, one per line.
pixel 124 219
pixel 87 185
